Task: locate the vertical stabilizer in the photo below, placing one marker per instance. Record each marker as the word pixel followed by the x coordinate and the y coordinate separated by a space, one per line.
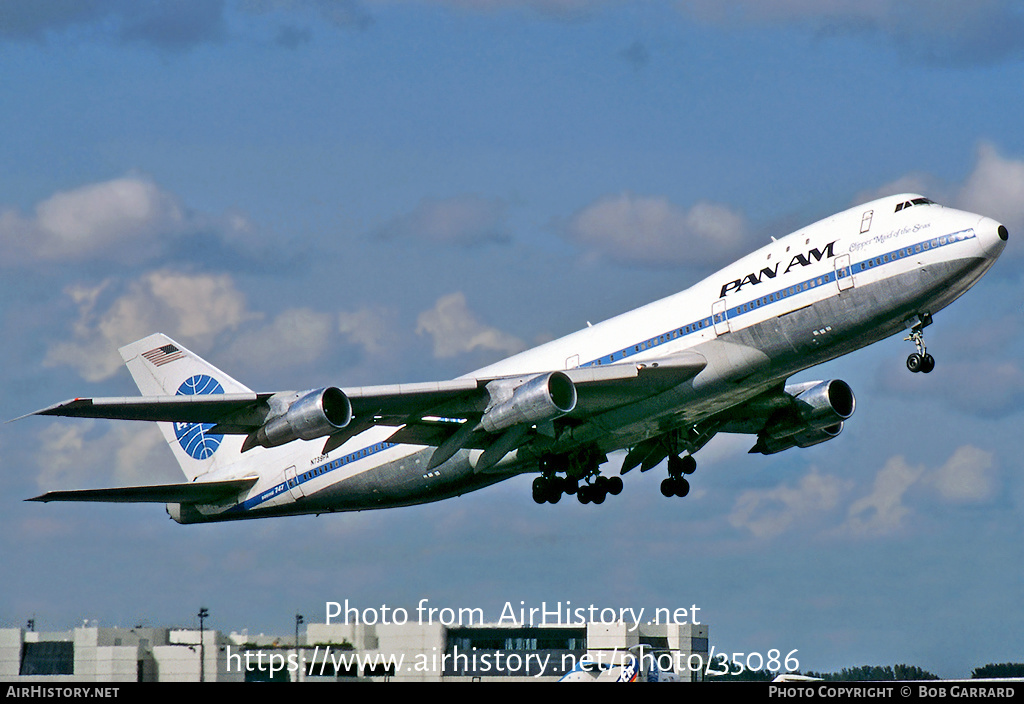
pixel 162 367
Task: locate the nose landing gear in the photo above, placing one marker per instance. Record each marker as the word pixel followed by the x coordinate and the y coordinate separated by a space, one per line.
pixel 920 361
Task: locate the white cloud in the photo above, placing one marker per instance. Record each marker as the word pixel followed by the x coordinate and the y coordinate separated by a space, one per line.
pixel 78 455
pixel 968 476
pixel 455 329
pixel 767 513
pixel 995 188
pixel 882 511
pixel 370 328
pixel 295 336
pixel 128 219
pixel 193 307
pixel 652 230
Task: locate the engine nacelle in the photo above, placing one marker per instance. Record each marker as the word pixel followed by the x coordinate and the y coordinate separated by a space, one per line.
pixel 817 405
pixel 817 414
pixel 768 446
pixel 542 398
pixel 314 415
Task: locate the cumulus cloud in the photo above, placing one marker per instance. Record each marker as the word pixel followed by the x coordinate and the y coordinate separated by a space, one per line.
pixel 995 188
pixel 767 513
pixel 455 329
pixel 83 453
pixel 370 328
pixel 128 219
pixel 651 230
pixel 461 220
pixel 194 307
pixel 295 336
pixel 968 476
pixel 882 511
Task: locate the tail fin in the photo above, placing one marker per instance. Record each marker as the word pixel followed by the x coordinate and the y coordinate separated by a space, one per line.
pixel 162 367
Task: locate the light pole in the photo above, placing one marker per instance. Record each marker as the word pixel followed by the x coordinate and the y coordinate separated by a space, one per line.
pixel 203 613
pixel 298 621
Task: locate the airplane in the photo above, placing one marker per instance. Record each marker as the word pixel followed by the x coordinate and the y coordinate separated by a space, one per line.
pixel 639 663
pixel 659 382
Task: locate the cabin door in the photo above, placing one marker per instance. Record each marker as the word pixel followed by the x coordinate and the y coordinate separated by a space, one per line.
pixel 720 317
pixel 844 276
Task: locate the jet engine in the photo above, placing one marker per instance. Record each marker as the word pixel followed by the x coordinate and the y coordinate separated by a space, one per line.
pixel 541 398
pixel 816 415
pixel 313 415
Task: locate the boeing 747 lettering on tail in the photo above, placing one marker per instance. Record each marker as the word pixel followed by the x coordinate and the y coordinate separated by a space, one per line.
pixel 659 381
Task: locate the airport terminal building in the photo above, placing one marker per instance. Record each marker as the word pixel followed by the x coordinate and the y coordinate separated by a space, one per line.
pixel 340 652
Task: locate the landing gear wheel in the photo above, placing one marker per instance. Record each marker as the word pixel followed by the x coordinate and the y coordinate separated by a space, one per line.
pixel 615 486
pixel 927 363
pixel 682 487
pixel 689 464
pixel 540 490
pixel 675 486
pixel 668 487
pixel 915 362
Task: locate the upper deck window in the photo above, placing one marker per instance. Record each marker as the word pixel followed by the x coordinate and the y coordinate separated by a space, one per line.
pixel 915 201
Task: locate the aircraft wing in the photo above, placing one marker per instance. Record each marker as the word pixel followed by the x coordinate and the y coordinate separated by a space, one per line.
pixel 598 387
pixel 429 413
pixel 192 493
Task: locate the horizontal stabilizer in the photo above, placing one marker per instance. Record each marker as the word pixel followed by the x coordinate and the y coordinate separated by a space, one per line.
pixel 192 493
pixel 180 409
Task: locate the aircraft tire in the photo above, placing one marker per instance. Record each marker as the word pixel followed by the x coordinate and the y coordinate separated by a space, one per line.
pixel 689 464
pixel 927 363
pixel 682 487
pixel 615 486
pixel 914 362
pixel 599 496
pixel 667 487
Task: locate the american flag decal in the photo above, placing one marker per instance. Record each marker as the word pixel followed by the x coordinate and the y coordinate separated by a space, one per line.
pixel 160 356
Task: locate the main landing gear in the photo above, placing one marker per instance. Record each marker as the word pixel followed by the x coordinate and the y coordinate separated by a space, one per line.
pixel 549 488
pixel 920 361
pixel 676 484
pixel 581 466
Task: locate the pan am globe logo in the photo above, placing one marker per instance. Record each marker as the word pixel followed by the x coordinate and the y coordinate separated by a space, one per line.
pixel 195 438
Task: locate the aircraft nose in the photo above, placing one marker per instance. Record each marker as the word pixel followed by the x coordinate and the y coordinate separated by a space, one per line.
pixel 992 236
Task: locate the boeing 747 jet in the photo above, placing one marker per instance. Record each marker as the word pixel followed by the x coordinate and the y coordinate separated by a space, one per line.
pixel 659 382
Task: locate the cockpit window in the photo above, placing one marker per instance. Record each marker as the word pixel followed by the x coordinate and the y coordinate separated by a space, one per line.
pixel 915 201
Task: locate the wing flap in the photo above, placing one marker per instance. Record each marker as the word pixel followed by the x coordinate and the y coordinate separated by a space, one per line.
pixel 192 493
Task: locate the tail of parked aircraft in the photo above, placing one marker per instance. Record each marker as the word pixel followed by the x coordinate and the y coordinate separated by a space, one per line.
pixel 162 367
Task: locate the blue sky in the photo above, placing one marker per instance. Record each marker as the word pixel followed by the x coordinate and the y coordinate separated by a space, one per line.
pixel 349 193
